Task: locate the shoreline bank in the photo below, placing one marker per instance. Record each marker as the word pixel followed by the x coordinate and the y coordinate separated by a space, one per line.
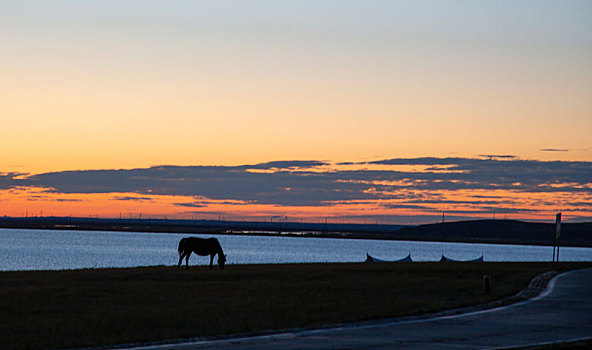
pixel 478 231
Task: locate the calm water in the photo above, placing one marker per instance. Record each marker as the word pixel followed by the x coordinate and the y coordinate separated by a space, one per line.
pixel 55 250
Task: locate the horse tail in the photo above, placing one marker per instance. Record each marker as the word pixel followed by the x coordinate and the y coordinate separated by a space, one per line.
pixel 181 246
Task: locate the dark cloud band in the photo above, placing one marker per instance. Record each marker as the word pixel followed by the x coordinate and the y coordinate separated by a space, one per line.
pixel 299 183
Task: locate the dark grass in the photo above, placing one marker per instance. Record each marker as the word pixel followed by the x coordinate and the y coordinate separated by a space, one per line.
pixel 80 308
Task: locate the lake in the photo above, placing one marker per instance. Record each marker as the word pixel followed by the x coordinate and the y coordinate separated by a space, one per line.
pixel 24 249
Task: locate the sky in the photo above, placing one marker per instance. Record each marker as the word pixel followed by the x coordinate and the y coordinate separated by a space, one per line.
pixel 361 111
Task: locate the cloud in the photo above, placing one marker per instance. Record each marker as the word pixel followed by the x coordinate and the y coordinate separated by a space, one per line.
pixel 206 203
pixel 232 183
pixel 522 175
pixel 418 161
pixel 457 202
pixel 192 205
pixel 406 206
pixel 11 180
pixel 287 164
pixel 491 210
pixel 497 156
pixel 553 150
pixel 281 185
pixel 133 199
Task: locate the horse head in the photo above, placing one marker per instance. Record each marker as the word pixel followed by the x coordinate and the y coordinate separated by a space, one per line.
pixel 221 260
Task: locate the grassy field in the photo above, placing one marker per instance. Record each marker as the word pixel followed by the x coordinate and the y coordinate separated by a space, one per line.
pixel 76 308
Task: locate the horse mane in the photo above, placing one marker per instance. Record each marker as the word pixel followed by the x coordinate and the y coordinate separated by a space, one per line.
pixel 219 247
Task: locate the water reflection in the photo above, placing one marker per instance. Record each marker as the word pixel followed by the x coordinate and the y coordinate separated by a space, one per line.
pixel 55 249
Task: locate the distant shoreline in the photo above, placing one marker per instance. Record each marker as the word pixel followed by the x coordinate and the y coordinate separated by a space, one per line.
pixel 478 231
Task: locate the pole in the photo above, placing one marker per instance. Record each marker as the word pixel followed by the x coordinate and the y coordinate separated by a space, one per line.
pixel 557 236
pixel 557 260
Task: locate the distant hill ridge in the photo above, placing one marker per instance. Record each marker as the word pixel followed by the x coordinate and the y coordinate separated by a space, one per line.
pixel 475 231
pixel 501 231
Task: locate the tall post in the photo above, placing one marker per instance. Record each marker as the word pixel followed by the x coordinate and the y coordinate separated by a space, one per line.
pixel 557 235
pixel 558 244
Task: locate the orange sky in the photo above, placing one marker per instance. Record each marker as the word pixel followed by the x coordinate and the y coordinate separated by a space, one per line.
pixel 137 84
pixel 35 203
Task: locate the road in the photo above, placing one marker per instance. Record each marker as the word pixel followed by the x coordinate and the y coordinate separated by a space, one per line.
pixel 562 312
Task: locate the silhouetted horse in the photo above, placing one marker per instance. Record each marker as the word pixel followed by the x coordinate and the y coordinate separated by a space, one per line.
pixel 203 247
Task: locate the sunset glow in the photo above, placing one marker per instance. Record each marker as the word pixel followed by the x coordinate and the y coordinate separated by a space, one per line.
pixel 391 191
pixel 347 111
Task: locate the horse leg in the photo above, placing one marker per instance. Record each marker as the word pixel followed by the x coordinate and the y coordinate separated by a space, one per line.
pixel 187 260
pixel 181 256
pixel 211 260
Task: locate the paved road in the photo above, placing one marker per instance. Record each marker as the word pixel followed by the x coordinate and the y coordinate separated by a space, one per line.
pixel 562 312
